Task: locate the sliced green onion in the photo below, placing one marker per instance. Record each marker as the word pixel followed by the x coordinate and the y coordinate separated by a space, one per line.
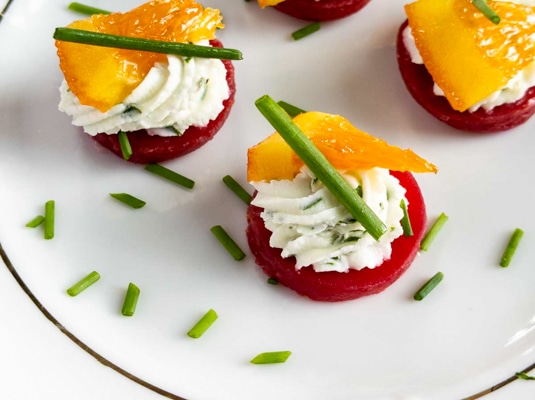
pixel 290 108
pixel 50 219
pixel 405 221
pixel 83 284
pixel 141 44
pixel 488 12
pixel 320 166
pixel 511 247
pixel 524 376
pixel 172 176
pixel 238 190
pixel 271 357
pixel 126 149
pixel 204 323
pixel 85 9
pixel 306 30
pixel 34 223
pixel 228 243
pixel 129 200
pixel 433 232
pixel 272 281
pixel 428 286
pixel 130 300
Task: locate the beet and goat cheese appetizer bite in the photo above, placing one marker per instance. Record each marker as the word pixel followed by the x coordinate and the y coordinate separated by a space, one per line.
pixel 316 10
pixel 302 234
pixel 165 103
pixel 470 67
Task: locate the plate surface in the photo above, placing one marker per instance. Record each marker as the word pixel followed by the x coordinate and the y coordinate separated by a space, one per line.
pixel 475 330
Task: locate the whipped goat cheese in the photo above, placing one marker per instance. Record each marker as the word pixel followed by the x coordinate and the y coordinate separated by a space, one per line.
pixel 308 222
pixel 513 91
pixel 178 94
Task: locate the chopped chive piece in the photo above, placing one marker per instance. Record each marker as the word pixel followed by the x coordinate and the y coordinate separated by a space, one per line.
pixel 132 110
pixel 130 300
pixel 290 108
pixel 50 219
pixel 141 44
pixel 170 175
pixel 405 221
pixel 228 243
pixel 511 247
pixel 272 281
pixel 320 166
pixel 204 323
pixel 129 200
pixel 238 190
pixel 433 231
pixel 271 357
pixel 306 30
pixel 34 223
pixel 428 286
pixel 85 9
pixel 524 376
pixel 83 283
pixel 488 12
pixel 126 149
pixel 174 130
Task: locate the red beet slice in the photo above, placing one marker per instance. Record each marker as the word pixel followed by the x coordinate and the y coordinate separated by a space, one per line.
pixel 420 85
pixel 320 10
pixel 339 286
pixel 148 149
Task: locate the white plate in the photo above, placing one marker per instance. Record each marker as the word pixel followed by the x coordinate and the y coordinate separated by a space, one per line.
pixel 475 330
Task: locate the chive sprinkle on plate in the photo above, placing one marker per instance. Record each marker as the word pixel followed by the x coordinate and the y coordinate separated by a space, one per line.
pixel 306 30
pixel 203 324
pixel 130 300
pixel 129 200
pixel 50 219
pixel 271 357
pixel 83 283
pixel 433 232
pixel 428 286
pixel 170 175
pixel 238 189
pixel 511 247
pixel 35 222
pixel 227 242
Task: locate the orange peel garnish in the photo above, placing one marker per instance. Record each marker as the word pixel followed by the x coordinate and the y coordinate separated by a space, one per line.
pixel 467 55
pixel 268 3
pixel 102 77
pixel 346 147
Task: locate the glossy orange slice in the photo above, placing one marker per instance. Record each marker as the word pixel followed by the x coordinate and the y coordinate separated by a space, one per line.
pixel 267 3
pixel 102 77
pixel 468 56
pixel 345 146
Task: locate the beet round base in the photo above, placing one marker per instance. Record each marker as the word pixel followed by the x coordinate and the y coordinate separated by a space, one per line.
pixel 320 10
pixel 148 149
pixel 337 286
pixel 420 85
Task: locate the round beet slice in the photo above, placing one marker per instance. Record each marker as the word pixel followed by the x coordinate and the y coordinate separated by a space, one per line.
pixel 320 10
pixel 420 85
pixel 148 149
pixel 339 286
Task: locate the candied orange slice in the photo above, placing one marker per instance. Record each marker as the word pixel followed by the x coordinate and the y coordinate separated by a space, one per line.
pixel 346 148
pixel 468 56
pixel 103 77
pixel 267 3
